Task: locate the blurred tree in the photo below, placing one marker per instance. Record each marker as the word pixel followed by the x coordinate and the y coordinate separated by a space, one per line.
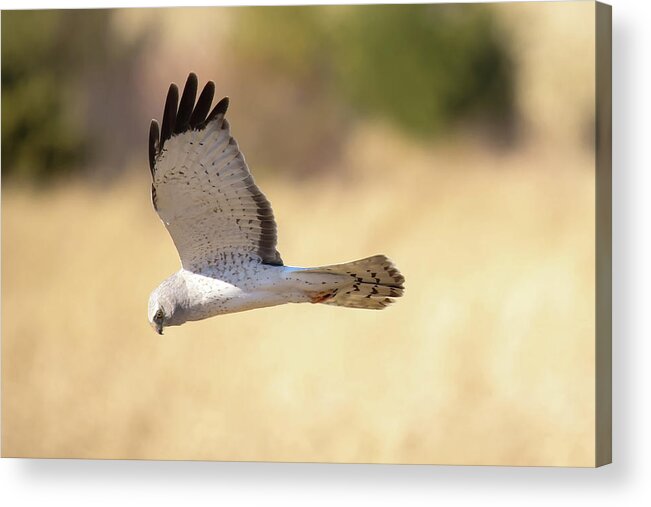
pixel 50 59
pixel 424 67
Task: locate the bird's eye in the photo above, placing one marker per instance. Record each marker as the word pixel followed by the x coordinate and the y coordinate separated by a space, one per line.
pixel 159 315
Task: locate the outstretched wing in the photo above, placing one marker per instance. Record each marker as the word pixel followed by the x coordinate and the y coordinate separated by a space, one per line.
pixel 202 188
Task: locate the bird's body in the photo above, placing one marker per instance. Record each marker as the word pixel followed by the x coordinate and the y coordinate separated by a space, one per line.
pixel 224 228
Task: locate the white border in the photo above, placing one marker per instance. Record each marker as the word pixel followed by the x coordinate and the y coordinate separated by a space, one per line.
pixel 626 482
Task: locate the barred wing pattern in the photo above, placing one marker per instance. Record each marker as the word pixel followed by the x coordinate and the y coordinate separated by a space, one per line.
pixel 202 188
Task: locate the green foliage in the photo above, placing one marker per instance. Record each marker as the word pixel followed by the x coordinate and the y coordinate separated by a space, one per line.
pixel 425 67
pixel 48 59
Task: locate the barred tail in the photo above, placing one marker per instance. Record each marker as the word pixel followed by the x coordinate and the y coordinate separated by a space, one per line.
pixel 366 283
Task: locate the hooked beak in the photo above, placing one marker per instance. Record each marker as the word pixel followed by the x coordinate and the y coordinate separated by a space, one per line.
pixel 157 327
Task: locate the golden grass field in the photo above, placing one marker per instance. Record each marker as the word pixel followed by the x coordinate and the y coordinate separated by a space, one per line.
pixel 488 358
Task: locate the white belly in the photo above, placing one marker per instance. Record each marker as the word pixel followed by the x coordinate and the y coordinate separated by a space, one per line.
pixel 263 287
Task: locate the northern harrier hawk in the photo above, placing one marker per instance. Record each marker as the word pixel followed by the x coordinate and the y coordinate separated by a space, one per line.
pixel 224 229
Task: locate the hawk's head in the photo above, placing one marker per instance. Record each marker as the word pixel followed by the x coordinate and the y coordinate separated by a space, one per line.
pixel 166 303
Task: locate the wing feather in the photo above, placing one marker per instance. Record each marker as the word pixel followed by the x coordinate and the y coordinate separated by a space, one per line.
pixel 169 114
pixel 202 188
pixel 203 105
pixel 154 136
pixel 186 106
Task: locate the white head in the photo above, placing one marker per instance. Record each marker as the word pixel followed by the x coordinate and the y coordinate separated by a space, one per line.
pixel 167 303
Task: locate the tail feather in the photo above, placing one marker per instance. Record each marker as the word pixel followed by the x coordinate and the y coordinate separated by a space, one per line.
pixel 366 283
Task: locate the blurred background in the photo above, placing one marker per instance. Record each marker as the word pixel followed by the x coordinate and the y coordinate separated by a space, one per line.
pixel 460 136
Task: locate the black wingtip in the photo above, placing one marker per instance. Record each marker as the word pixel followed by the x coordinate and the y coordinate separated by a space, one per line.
pixel 187 104
pixel 222 105
pixel 203 105
pixel 154 139
pixel 169 116
pixel 220 108
pixel 181 116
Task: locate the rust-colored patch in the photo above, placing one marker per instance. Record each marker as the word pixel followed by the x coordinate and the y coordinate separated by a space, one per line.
pixel 320 297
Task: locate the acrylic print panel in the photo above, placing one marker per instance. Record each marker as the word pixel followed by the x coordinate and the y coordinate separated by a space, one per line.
pixel 462 141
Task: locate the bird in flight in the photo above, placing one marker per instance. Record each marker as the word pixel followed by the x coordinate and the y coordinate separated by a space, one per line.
pixel 224 228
